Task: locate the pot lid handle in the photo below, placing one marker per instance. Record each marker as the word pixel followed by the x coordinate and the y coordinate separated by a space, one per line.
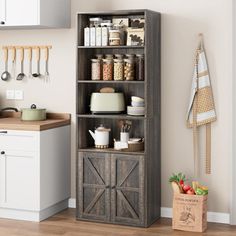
pixel 33 106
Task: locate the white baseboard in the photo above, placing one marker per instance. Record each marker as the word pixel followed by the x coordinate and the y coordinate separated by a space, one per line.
pixel 215 217
pixel 34 216
pixel 72 203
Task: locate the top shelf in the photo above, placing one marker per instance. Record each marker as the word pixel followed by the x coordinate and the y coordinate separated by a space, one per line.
pixel 111 47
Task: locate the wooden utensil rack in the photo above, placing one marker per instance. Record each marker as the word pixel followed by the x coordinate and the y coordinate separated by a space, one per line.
pixel 27 47
pixel 33 54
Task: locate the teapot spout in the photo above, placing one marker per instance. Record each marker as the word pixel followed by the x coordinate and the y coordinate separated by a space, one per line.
pixel 92 134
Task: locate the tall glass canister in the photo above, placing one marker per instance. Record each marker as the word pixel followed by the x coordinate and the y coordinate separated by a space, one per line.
pixel 118 69
pixel 107 69
pixel 129 69
pixel 96 69
pixel 139 67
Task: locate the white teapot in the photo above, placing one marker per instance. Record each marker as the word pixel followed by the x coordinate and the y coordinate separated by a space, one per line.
pixel 101 137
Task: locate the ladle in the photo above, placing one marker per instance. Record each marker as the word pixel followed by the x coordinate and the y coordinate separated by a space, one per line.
pixel 21 75
pixel 6 75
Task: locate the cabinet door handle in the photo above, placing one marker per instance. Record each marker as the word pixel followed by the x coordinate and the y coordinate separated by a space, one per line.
pixel 113 187
pixel 2 23
pixel 2 153
pixel 107 186
pixel 3 132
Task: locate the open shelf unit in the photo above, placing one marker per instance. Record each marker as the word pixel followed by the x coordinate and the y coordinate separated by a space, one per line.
pixel 140 171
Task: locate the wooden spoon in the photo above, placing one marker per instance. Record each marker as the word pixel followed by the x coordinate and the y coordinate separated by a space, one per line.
pixel 37 74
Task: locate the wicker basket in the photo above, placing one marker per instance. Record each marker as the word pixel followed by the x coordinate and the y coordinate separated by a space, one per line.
pixel 135 147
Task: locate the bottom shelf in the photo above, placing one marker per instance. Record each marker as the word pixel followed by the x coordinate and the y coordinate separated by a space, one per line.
pixel 109 150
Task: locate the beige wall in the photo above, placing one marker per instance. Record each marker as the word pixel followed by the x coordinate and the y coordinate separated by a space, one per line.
pixel 182 20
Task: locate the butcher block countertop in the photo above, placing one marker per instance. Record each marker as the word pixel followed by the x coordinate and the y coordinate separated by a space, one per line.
pixel 12 121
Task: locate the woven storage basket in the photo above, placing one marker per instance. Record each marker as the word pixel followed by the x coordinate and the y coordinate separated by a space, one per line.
pixel 135 147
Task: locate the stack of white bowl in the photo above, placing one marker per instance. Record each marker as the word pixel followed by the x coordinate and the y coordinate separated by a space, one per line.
pixel 137 107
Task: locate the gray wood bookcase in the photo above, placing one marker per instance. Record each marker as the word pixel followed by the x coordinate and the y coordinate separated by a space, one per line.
pixel 116 186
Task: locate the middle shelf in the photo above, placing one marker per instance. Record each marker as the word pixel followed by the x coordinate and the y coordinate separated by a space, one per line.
pixel 110 82
pixel 86 90
pixel 111 116
pixel 110 150
pixel 89 122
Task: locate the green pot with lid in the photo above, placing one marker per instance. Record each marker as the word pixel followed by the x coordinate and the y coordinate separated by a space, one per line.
pixel 33 114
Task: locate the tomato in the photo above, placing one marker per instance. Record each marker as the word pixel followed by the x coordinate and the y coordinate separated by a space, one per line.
pixel 191 192
pixel 186 188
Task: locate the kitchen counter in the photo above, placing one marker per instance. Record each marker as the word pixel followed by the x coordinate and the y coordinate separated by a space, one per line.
pixel 35 166
pixel 12 121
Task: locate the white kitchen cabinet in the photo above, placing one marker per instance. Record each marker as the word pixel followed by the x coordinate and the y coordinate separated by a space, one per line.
pixel 34 14
pixel 2 11
pixel 34 173
pixel 20 180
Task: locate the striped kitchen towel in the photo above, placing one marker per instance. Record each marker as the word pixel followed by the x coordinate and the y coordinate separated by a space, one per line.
pixel 201 110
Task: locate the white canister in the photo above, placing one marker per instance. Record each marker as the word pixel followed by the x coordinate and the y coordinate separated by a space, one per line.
pixel 124 137
pixel 104 36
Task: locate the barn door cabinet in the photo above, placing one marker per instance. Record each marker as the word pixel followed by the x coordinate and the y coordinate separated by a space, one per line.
pixel 120 187
pixel 94 186
pixel 34 14
pixel 111 188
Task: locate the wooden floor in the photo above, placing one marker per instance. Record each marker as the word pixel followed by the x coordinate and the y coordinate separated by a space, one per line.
pixel 65 224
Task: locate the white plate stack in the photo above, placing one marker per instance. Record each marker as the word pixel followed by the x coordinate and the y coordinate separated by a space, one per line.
pixel 137 107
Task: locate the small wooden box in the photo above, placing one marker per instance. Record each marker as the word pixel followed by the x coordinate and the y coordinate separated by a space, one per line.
pixel 189 212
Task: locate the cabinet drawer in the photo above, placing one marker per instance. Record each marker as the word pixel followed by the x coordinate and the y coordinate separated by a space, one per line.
pixel 19 140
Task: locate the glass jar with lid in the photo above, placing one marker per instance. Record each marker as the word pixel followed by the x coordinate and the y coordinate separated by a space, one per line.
pixel 129 69
pixel 109 56
pixel 119 56
pixel 107 69
pixel 99 56
pixel 122 31
pixel 130 56
pixel 95 69
pixel 118 69
pixel 139 67
pixel 114 36
pixel 114 41
pixel 114 33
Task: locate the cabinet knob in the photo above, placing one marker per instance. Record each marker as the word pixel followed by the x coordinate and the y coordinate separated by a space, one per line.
pixel 2 153
pixel 2 23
